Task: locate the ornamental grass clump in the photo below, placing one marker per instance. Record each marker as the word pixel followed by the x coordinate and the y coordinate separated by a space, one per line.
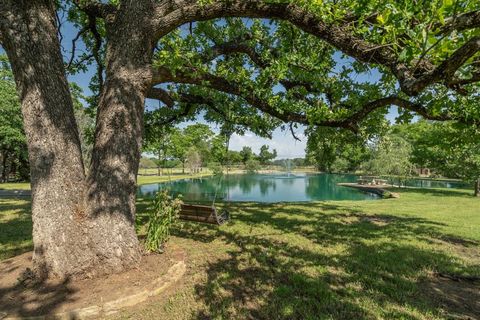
pixel 162 217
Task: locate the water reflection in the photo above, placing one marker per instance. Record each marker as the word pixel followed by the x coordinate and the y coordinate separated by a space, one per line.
pixel 275 188
pixel 262 188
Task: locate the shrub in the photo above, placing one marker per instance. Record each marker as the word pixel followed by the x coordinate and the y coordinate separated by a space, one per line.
pixel 216 168
pixel 161 219
pixel 252 166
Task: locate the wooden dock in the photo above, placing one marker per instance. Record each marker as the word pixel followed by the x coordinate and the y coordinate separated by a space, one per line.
pixel 376 189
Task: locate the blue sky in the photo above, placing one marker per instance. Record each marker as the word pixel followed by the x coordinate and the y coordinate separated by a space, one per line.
pixel 282 141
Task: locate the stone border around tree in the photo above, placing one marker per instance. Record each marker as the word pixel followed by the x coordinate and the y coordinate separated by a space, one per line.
pixel 161 284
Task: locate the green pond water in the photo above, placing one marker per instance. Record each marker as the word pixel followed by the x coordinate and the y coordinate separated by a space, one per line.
pixel 262 188
pixel 275 188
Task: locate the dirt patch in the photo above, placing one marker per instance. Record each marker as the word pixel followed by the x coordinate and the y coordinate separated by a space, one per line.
pixel 52 297
pixel 460 241
pixel 374 219
pixel 457 299
pixel 377 220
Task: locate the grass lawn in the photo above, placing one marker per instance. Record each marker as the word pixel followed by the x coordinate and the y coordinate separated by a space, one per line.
pixel 321 260
pixel 15 186
pixel 177 176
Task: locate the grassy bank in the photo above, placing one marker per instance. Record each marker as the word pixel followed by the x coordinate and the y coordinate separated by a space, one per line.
pixel 330 260
pixel 141 179
pixel 15 186
pixel 178 176
pixel 323 260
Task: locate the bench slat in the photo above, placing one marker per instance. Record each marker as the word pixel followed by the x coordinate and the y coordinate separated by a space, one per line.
pixel 202 213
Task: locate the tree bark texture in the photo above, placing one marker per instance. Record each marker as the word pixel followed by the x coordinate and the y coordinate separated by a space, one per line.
pixel 118 137
pixel 477 188
pixel 82 226
pixel 57 173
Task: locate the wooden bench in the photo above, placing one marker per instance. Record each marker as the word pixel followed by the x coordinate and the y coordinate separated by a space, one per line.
pixel 205 214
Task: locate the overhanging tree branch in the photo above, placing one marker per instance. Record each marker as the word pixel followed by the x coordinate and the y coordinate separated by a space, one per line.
pixel 461 22
pixel 338 34
pixel 238 47
pixel 445 71
pixel 204 79
pixel 162 95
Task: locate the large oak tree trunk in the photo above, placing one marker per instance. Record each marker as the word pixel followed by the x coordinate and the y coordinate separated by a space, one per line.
pixel 82 226
pixel 118 137
pixel 29 36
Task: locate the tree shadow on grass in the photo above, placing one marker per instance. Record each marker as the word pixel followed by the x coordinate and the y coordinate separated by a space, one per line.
pixel 17 298
pixel 323 262
pixel 15 227
pixel 22 295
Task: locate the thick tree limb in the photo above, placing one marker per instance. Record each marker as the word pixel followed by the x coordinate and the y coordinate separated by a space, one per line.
pixel 335 34
pixel 237 47
pixel 461 22
pixel 338 34
pixel 445 71
pixel 92 26
pixel 195 77
pixel 399 102
pixel 461 82
pixel 162 95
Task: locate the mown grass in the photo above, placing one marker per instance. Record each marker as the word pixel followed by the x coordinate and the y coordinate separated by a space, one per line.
pixel 326 260
pixel 157 179
pixel 15 186
pixel 15 227
pixel 176 174
pixel 321 260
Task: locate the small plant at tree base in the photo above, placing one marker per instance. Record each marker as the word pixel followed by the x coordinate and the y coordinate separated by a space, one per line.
pixel 161 219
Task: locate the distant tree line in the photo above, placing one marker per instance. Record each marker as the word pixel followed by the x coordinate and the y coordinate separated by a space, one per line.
pixel 196 146
pixel 449 149
pixel 14 162
pixel 13 146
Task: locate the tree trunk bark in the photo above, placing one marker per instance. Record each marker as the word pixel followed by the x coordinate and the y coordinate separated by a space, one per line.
pixel 118 138
pixel 82 226
pixel 30 39
pixel 477 188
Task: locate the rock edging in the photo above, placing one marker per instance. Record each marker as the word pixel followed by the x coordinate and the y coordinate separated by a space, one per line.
pixel 161 284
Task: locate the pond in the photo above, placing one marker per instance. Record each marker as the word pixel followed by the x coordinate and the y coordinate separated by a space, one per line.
pixel 262 188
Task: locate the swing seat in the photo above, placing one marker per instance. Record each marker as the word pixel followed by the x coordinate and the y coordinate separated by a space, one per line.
pixel 205 214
